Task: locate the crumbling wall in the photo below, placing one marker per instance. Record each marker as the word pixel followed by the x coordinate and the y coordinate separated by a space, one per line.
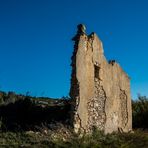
pixel 100 90
pixel 96 108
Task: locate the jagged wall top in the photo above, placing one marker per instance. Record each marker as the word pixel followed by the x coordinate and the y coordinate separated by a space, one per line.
pixel 81 29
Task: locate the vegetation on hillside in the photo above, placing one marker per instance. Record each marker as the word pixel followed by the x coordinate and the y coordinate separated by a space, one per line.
pixel 140 112
pixel 54 139
pixel 23 112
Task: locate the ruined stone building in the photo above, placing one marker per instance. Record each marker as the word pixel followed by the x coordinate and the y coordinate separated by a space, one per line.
pixel 100 90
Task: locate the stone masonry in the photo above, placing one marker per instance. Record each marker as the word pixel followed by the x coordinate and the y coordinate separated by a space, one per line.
pixel 100 90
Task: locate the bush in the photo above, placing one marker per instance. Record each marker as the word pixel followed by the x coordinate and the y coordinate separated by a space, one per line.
pixel 140 112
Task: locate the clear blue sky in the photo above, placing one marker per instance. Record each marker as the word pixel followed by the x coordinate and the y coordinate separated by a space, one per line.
pixel 36 46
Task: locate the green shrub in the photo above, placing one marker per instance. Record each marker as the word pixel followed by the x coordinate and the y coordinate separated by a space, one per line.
pixel 140 112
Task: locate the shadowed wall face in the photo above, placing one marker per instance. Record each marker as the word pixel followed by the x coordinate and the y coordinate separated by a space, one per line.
pixel 100 90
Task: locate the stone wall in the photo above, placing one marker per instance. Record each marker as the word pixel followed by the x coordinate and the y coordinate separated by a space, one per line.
pixel 100 90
